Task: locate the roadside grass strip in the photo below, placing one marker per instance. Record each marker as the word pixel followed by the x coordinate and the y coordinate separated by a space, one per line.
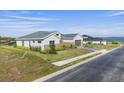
pixel 63 62
pixel 74 64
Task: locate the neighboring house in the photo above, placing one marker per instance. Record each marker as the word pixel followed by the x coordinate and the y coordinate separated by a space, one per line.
pixel 74 39
pixel 40 38
pixel 93 40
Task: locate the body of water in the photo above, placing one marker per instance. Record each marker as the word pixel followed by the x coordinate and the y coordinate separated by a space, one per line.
pixel 111 39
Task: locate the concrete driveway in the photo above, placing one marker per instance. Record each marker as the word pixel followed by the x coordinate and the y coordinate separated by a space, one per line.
pixel 107 68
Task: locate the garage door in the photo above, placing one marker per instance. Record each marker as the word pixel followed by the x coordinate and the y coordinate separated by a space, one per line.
pixel 78 42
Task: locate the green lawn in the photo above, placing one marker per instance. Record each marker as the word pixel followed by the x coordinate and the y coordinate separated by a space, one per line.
pixel 19 65
pixel 61 55
pixel 108 46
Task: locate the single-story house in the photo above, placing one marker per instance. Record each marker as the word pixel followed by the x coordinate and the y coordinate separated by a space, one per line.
pixel 40 38
pixel 74 39
pixel 93 40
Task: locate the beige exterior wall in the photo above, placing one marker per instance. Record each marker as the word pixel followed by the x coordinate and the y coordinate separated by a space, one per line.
pixel 78 37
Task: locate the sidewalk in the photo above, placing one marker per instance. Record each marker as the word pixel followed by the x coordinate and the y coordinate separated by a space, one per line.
pixel 63 62
pixel 71 67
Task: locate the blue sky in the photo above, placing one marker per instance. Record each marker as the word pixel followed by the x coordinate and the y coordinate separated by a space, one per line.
pixel 90 22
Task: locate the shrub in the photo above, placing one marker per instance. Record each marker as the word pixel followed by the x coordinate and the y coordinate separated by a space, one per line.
pixel 64 47
pixel 52 49
pixel 10 43
pixel 89 43
pixel 114 42
pixel 71 46
pixel 36 48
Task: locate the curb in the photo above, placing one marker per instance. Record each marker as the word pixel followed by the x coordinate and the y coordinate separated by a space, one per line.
pixel 71 67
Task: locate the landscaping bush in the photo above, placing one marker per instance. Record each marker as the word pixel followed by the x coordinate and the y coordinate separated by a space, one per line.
pixel 89 43
pixel 71 46
pixel 115 43
pixel 36 48
pixel 68 46
pixel 11 43
pixel 64 47
pixel 52 49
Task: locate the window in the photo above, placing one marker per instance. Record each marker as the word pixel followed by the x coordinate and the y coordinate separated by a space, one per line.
pixel 57 34
pixel 39 41
pixel 52 42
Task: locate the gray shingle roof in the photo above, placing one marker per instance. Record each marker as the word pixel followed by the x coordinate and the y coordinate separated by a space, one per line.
pixel 93 39
pixel 39 34
pixel 90 38
pixel 97 39
pixel 69 36
pixel 87 36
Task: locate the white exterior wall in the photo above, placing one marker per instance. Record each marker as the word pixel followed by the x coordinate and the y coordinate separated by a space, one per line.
pixel 44 42
pixel 96 42
pixel 104 42
pixel 26 43
pixel 36 43
pixel 50 38
pixel 85 42
pixel 59 34
pixel 19 43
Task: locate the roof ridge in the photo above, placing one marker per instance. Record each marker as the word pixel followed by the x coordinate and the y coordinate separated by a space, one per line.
pixel 38 34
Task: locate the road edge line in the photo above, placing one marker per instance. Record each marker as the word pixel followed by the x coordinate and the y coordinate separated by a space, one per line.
pixel 44 78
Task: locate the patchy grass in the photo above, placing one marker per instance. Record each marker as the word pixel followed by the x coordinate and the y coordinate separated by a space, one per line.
pixel 21 65
pixel 98 46
pixel 61 55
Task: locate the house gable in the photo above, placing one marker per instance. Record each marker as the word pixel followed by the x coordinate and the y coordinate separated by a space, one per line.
pixel 37 35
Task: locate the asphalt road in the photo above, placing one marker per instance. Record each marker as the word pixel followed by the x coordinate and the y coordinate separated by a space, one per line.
pixel 107 68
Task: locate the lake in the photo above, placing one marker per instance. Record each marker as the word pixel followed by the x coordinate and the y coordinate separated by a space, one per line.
pixel 118 39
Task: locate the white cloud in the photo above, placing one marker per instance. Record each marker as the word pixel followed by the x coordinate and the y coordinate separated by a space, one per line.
pixel 31 18
pixel 16 28
pixel 117 13
pixel 22 31
pixel 98 31
pixel 18 12
pixel 20 23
